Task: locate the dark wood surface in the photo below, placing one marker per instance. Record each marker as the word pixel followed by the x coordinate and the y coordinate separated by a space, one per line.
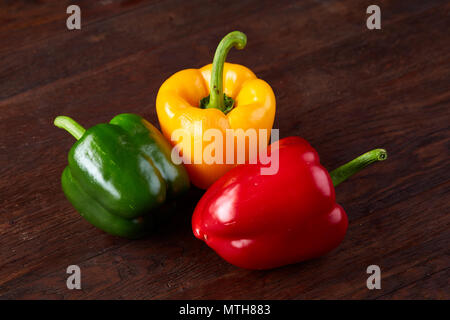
pixel 344 88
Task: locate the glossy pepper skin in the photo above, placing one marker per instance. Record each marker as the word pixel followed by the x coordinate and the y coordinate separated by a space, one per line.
pixel 259 221
pixel 186 99
pixel 121 174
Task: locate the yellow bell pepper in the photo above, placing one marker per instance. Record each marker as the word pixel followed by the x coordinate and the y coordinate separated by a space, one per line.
pixel 239 101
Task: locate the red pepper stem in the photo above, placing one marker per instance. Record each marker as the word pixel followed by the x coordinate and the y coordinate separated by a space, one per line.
pixel 347 170
pixel 70 125
pixel 235 39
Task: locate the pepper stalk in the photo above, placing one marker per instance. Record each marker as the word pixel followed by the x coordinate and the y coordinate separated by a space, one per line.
pixel 70 125
pixel 217 98
pixel 345 171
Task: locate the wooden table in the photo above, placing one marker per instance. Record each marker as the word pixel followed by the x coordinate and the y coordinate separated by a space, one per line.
pixel 344 88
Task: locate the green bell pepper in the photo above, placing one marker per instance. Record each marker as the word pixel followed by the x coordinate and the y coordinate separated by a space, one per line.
pixel 120 174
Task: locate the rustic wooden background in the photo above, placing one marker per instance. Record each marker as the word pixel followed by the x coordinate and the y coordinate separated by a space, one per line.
pixel 344 88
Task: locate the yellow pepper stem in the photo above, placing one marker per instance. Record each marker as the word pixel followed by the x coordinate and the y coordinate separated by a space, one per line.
pixel 217 99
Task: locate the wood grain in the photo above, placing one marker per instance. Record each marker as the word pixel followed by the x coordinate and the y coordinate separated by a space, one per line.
pixel 344 88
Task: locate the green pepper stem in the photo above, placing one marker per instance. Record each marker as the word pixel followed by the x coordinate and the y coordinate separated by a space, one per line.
pixel 347 170
pixel 235 39
pixel 70 126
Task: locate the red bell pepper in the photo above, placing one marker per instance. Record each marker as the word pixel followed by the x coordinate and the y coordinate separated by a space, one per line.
pixel 260 221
